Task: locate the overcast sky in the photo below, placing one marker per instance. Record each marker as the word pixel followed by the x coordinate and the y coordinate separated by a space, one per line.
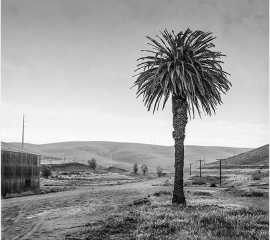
pixel 68 66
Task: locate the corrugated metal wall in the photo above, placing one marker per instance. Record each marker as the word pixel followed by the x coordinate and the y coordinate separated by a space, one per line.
pixel 19 172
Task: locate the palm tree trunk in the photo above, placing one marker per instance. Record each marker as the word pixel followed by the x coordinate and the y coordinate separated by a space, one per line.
pixel 179 109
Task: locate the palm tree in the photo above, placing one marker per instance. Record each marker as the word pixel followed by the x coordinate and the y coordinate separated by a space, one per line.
pixel 183 66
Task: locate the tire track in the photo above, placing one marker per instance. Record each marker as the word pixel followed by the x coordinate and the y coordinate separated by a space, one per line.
pixel 27 235
pixel 19 216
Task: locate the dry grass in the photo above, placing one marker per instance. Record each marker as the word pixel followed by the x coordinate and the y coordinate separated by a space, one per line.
pixel 162 220
pixel 127 153
pixel 206 179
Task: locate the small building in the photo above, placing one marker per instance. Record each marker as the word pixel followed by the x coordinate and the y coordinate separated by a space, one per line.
pixel 20 170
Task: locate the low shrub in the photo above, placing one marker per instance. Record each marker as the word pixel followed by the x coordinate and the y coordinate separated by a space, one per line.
pixel 256 194
pixel 213 185
pixel 157 194
pixel 253 193
pixel 199 182
pixel 167 183
pixel 256 177
pixel 201 193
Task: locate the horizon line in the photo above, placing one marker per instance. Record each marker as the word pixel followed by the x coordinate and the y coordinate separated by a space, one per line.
pixel 134 143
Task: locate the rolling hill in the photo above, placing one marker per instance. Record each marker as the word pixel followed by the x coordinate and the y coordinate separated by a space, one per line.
pixel 255 157
pixel 124 155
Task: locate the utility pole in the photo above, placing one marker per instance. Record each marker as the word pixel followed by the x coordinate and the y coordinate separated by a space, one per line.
pixel 23 132
pixel 219 171
pixel 190 168
pixel 200 168
pixel 74 159
pixel 203 160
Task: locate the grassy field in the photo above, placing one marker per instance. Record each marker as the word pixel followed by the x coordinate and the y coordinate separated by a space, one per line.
pixel 203 218
pixel 238 210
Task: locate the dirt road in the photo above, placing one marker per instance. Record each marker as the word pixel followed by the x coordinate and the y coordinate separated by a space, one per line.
pixel 57 215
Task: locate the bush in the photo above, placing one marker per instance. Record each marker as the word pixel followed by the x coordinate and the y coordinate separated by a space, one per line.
pixel 213 185
pixel 199 182
pixel 252 193
pixel 157 194
pixel 159 171
pixel 144 169
pixel 135 168
pixel 92 163
pixel 200 193
pixel 46 171
pixel 256 194
pixel 256 177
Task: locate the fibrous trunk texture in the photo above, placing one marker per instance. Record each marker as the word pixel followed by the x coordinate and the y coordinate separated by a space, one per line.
pixel 179 109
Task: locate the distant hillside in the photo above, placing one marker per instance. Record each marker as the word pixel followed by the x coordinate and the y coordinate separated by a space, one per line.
pixel 124 155
pixel 257 157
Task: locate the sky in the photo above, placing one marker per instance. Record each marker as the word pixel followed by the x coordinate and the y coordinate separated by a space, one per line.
pixel 68 66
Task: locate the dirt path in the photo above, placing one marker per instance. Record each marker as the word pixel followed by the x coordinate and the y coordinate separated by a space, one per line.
pixel 53 216
pixel 56 215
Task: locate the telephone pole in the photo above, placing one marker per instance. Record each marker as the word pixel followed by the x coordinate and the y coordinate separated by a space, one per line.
pixel 219 171
pixel 23 132
pixel 200 168
pixel 190 168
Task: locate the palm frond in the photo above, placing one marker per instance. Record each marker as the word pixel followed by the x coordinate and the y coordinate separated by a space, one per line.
pixel 182 65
